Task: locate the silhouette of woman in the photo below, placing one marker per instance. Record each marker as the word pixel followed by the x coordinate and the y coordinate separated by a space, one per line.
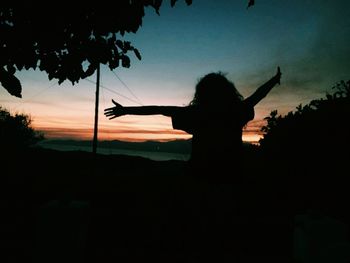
pixel 215 117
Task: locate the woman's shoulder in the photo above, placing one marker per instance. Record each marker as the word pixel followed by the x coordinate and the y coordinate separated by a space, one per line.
pixel 186 110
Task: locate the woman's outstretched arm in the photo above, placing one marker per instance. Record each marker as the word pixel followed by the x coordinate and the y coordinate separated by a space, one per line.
pixel 263 90
pixel 119 110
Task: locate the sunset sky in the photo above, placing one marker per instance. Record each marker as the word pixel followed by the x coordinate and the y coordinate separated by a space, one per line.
pixel 308 39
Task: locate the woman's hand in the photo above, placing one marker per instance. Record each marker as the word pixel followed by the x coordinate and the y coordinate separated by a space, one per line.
pixel 264 89
pixel 114 112
pixel 278 75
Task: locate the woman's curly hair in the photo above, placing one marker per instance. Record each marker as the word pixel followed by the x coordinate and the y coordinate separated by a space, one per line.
pixel 214 89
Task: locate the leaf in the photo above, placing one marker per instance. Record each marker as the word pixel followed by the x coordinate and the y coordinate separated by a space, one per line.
pixel 114 63
pixel 90 70
pixel 127 45
pixel 50 76
pixel 11 83
pixel 156 5
pixel 137 54
pixel 125 61
pixel 19 65
pixel 112 39
pixel 251 3
pixel 11 69
pixel 119 44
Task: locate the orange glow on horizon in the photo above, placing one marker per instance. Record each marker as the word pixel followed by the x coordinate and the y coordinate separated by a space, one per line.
pixel 122 135
pixel 132 134
pixel 252 138
pixel 58 121
pixel 126 128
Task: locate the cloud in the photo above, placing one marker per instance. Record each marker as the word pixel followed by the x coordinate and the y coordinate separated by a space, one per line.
pixel 327 59
pixel 311 63
pixel 317 55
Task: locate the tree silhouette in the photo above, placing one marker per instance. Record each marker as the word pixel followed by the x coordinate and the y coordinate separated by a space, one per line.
pixel 16 131
pixel 60 39
pixel 316 131
pixel 309 149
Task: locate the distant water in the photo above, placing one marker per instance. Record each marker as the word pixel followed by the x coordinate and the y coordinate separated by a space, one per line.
pixel 157 156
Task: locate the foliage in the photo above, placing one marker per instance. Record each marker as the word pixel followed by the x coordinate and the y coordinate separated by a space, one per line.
pixel 59 39
pixel 321 123
pixel 16 131
pixel 307 152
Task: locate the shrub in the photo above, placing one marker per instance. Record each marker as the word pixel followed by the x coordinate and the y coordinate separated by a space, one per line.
pixel 16 131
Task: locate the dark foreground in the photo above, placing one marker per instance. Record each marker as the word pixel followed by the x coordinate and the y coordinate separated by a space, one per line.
pixel 71 207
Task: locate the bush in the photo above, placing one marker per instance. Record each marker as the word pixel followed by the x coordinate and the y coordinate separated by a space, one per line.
pixel 317 122
pixel 16 131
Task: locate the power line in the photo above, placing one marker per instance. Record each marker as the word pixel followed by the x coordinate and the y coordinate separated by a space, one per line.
pixel 126 86
pixel 115 92
pixel 36 95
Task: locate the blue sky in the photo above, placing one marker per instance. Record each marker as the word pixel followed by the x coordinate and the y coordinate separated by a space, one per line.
pixel 307 39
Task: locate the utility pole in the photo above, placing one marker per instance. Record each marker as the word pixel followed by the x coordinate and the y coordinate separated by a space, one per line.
pixel 94 143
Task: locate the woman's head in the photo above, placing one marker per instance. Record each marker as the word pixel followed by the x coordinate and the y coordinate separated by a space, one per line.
pixel 214 89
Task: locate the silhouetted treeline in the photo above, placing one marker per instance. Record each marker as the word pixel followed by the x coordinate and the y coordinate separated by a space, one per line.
pixel 318 129
pixel 16 131
pixel 309 148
